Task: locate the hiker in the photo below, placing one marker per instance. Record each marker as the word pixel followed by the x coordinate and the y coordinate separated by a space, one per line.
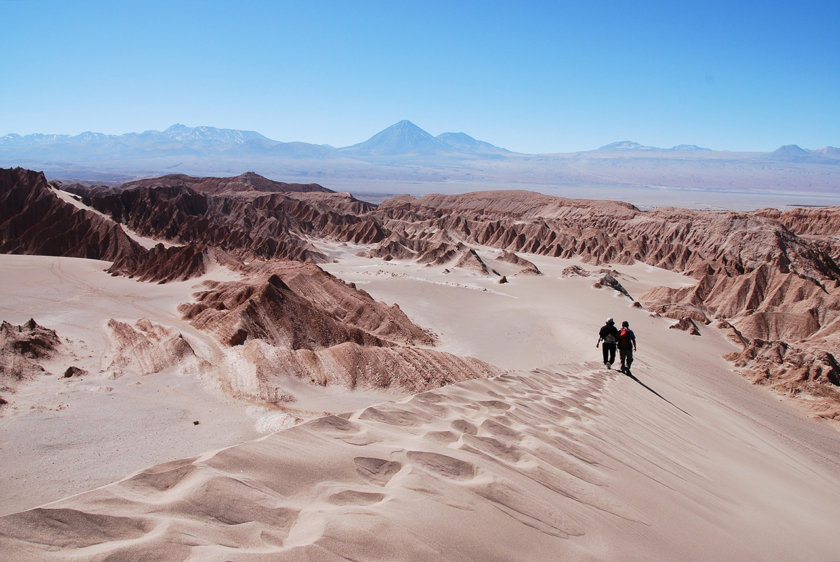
pixel 626 346
pixel 608 335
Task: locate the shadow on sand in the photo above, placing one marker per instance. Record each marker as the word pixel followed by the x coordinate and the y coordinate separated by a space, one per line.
pixel 630 375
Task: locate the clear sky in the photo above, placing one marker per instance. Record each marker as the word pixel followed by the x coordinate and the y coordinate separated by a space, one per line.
pixel 530 76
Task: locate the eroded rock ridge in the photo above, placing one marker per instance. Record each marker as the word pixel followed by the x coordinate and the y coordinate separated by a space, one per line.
pixel 769 278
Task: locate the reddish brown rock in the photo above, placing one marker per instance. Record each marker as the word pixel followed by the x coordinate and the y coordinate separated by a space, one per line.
pixel 249 182
pixel 163 264
pixel 34 220
pixel 22 347
pixel 472 261
pixel 299 306
pixel 686 325
pixel 528 268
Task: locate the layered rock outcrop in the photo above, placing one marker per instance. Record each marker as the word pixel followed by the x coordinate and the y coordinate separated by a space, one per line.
pixel 22 347
pixel 145 348
pixel 528 267
pixel 34 220
pixel 163 264
pixel 223 213
pixel 294 321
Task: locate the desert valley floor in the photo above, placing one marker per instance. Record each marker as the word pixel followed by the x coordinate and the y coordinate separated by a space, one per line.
pixel 559 457
pixel 541 453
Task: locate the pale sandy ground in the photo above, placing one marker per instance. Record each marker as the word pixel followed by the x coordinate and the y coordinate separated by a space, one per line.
pixel 63 436
pixel 560 459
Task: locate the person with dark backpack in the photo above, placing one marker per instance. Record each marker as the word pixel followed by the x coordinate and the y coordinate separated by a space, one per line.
pixel 626 346
pixel 608 335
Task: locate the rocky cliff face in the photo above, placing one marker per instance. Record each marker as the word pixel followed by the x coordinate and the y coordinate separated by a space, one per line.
pixel 34 220
pixel 247 224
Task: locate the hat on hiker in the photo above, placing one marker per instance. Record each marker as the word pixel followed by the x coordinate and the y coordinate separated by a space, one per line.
pixel 610 321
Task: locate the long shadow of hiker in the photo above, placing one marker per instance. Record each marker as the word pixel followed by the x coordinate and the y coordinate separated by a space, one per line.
pixel 628 374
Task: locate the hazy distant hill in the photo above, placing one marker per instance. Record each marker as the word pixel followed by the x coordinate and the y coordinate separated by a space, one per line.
pixel 402 138
pixel 407 139
pixel 404 155
pixel 630 146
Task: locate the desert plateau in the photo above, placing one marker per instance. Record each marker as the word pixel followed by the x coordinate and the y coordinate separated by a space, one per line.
pixel 237 368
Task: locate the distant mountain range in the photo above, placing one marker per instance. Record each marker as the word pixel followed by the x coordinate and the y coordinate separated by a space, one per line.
pixel 634 146
pixel 406 155
pixel 401 139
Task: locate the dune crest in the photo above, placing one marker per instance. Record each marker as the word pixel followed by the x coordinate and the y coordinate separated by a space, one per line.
pixel 532 456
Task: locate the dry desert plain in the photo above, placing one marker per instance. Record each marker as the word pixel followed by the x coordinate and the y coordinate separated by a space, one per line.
pixel 166 446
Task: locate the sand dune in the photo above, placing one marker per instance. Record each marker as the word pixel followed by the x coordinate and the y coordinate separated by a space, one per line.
pixel 565 462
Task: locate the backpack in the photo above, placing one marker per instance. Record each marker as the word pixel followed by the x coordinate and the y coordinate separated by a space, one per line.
pixel 624 338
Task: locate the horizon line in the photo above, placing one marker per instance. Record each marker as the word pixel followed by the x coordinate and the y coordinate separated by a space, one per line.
pixel 640 147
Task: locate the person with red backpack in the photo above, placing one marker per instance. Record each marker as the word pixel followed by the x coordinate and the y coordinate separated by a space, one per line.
pixel 626 346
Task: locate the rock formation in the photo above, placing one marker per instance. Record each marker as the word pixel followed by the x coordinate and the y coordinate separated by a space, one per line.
pixel 245 219
pixel 249 182
pixel 163 264
pixel 471 261
pixel 21 350
pixel 604 278
pixel 528 268
pixel 147 348
pixel 295 321
pixel 772 276
pixel 34 220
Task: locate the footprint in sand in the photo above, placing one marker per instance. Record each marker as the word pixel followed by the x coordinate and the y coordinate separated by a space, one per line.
pixel 464 426
pixel 493 448
pixel 377 471
pixel 443 465
pixel 355 497
pixel 445 437
pixel 332 423
pixel 498 429
pixel 393 416
pixel 343 429
pixel 162 477
pixel 495 404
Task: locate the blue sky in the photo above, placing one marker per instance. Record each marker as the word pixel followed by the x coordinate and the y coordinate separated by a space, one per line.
pixel 529 76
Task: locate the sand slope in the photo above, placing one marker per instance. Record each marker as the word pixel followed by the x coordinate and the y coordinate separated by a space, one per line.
pixel 571 462
pixel 557 459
